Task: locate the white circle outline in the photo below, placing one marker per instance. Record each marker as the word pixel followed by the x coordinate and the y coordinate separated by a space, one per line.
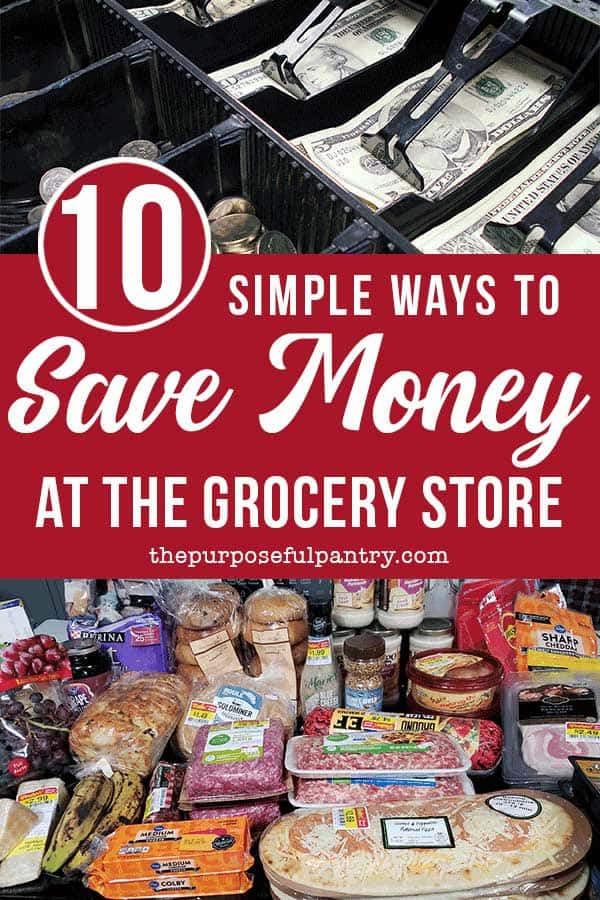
pixel 106 326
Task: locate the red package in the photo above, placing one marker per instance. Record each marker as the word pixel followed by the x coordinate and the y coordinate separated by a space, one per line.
pixel 34 659
pixel 497 620
pixel 469 631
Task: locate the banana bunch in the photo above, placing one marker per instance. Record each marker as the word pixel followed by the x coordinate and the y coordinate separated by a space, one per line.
pixel 97 807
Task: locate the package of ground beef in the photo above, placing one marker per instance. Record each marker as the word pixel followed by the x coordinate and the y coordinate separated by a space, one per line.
pixel 259 814
pixel 423 753
pixel 236 761
pixel 359 789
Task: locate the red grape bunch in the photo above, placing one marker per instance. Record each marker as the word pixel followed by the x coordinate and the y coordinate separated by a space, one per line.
pixel 39 655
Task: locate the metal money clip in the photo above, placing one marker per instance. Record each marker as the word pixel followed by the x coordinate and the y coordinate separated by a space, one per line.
pixel 389 144
pixel 281 64
pixel 554 214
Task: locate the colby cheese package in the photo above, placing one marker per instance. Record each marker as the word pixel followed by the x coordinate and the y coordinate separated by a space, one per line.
pixel 196 848
pixel 542 624
pixel 166 886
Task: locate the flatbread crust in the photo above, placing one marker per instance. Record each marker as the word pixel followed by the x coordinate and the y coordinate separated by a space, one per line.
pixel 305 852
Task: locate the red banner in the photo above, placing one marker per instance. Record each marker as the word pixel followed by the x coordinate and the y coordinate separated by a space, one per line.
pixel 309 415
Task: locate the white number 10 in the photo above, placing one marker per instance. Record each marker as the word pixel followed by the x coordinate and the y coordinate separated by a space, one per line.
pixel 85 207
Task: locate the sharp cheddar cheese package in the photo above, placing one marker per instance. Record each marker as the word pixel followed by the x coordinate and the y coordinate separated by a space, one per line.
pixel 201 848
pixel 542 624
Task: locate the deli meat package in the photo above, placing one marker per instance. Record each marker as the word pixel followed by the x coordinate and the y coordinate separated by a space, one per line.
pixel 499 844
pixel 548 717
pixel 236 761
pixel 426 753
pixel 129 724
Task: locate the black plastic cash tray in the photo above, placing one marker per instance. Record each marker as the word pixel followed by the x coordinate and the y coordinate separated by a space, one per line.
pixel 126 75
pixel 137 86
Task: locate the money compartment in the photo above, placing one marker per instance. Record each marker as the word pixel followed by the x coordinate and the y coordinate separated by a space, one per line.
pixel 237 158
pixel 568 38
pixel 90 115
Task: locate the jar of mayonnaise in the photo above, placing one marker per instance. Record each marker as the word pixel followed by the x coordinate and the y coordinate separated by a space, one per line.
pixel 401 603
pixel 353 602
pixel 432 634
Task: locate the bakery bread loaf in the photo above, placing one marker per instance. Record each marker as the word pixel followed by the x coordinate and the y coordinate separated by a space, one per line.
pixel 130 724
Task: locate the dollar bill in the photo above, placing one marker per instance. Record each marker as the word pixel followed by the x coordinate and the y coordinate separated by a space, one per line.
pixel 362 36
pixel 490 112
pixel 182 8
pixel 214 11
pixel 514 199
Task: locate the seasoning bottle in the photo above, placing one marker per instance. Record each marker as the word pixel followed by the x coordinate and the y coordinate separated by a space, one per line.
pixel 432 634
pixel 391 668
pixel 353 602
pixel 91 669
pixel 364 659
pixel 320 683
pixel 401 604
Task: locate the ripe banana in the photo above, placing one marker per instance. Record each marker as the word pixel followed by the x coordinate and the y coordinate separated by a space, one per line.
pixel 125 808
pixel 86 807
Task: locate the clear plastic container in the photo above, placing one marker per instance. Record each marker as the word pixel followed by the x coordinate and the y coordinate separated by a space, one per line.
pixel 432 634
pixel 406 788
pixel 454 683
pixel 401 604
pixel 548 717
pixel 353 602
pixel 398 753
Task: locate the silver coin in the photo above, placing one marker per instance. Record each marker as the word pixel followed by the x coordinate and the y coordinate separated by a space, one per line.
pixel 229 205
pixel 16 95
pixel 34 216
pixel 275 242
pixel 52 180
pixel 235 232
pixel 140 150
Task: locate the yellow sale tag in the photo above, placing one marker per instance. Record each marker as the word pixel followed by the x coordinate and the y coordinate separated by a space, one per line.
pixel 582 731
pixel 539 660
pixel 43 795
pixel 350 817
pixel 359 720
pixel 199 713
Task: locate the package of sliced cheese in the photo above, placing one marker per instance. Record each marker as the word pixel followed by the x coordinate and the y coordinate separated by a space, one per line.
pixel 496 844
pixel 44 801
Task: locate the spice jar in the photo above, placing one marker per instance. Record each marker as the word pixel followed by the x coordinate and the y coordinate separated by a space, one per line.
pixel 364 659
pixel 91 669
pixel 391 668
pixel 353 602
pixel 401 603
pixel 432 634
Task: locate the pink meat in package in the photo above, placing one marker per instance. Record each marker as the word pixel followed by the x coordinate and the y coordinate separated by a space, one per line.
pixel 485 615
pixel 237 761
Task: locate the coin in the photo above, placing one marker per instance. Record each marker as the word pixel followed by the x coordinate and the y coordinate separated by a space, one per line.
pixel 34 216
pixel 140 150
pixel 236 232
pixel 52 180
pixel 229 205
pixel 275 242
pixel 17 95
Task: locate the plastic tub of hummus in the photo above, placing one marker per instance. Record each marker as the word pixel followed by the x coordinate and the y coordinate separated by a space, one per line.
pixel 455 682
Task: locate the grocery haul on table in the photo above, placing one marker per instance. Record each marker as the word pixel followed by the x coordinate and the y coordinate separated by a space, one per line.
pixel 389 126
pixel 301 739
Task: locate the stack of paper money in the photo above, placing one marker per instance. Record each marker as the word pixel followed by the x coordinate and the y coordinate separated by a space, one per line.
pixel 498 106
pixel 518 196
pixel 362 36
pixel 215 10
